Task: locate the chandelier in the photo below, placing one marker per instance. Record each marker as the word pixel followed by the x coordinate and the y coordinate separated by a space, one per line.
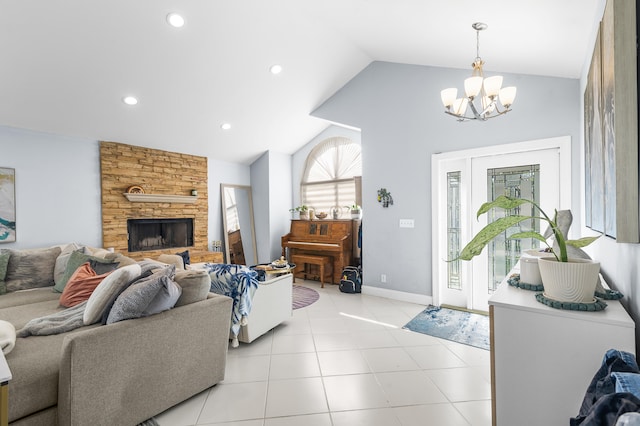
pixel 481 94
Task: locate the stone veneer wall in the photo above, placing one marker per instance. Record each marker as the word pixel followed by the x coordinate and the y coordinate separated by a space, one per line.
pixel 157 172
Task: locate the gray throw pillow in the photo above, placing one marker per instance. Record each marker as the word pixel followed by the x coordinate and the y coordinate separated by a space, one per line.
pixel 4 262
pixel 195 285
pixel 31 268
pixel 147 296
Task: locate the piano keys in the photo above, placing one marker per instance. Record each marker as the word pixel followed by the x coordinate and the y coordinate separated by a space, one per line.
pixel 333 238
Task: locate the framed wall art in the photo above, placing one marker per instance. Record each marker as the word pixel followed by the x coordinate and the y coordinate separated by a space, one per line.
pixel 611 127
pixel 7 205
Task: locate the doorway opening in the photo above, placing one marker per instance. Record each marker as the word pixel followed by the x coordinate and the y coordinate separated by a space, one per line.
pixel 462 182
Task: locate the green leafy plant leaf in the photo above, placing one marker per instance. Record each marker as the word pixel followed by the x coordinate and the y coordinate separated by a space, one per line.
pixel 488 233
pixel 582 242
pixel 528 234
pixel 502 202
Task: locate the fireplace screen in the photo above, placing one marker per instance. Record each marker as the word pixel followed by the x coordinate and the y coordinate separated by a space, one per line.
pixel 156 234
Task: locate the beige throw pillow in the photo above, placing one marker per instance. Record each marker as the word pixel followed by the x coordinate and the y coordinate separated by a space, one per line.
pixel 195 284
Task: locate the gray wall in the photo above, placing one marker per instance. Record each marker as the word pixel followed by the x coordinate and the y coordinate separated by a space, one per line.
pixel 398 109
pixel 271 187
pixel 58 188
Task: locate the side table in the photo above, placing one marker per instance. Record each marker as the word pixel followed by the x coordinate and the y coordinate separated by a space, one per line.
pixel 270 272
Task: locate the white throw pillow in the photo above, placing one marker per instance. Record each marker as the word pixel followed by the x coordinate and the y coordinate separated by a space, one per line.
pixel 106 290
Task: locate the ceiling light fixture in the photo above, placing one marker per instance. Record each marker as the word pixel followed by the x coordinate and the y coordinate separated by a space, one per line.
pixel 275 69
pixel 225 126
pixel 487 90
pixel 130 100
pixel 175 20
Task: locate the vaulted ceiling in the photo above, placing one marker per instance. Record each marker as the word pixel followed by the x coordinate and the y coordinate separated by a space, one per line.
pixel 65 65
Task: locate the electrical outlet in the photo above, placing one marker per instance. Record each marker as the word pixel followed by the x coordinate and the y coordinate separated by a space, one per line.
pixel 406 223
pixel 383 278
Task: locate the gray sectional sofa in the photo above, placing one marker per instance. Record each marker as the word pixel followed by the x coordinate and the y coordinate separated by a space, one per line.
pixel 116 374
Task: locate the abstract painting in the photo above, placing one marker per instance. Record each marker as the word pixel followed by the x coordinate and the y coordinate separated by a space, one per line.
pixel 7 205
pixel 611 127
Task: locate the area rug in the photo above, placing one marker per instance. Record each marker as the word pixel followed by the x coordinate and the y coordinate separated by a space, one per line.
pixel 303 296
pixel 458 326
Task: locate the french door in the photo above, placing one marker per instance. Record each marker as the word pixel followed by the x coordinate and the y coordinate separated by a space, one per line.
pixel 462 182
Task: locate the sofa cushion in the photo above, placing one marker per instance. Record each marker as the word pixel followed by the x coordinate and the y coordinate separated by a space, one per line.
pixel 63 259
pixel 34 361
pixel 121 259
pixel 195 285
pixel 80 286
pixel 31 268
pixel 101 296
pixel 147 296
pixel 76 259
pixel 4 262
pixel 26 297
pixel 172 259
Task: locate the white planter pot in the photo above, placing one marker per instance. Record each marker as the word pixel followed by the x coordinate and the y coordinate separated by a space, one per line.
pixel 529 271
pixel 573 281
pixel 304 215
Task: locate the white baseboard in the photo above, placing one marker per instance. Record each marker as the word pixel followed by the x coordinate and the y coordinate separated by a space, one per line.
pixel 397 295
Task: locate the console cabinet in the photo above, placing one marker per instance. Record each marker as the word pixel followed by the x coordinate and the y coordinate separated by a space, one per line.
pixel 543 359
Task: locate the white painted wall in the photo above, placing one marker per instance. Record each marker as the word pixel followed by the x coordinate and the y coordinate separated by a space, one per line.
pixel 58 188
pixel 399 111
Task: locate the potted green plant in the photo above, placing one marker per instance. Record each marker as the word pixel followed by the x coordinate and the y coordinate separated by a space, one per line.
pixel 356 211
pixel 302 210
pixel 564 279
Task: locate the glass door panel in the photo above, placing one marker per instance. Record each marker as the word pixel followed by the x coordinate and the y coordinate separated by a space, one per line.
pixel 514 182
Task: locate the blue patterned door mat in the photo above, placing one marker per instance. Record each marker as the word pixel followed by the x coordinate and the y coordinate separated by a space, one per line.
pixel 458 326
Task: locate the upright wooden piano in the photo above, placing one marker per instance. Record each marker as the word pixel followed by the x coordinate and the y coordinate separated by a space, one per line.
pixel 332 238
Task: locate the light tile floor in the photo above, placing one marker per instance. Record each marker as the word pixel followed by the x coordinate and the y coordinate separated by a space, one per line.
pixel 343 361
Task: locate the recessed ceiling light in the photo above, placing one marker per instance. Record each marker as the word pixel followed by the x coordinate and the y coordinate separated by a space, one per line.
pixel 130 100
pixel 175 20
pixel 275 69
pixel 225 126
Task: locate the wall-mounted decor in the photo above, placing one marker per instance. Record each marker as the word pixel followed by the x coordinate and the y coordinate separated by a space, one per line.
pixel 611 127
pixel 7 205
pixel 385 197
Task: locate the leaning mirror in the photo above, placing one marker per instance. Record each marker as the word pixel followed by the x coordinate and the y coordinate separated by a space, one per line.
pixel 239 228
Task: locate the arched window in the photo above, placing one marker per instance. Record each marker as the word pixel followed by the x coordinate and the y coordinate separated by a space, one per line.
pixel 332 175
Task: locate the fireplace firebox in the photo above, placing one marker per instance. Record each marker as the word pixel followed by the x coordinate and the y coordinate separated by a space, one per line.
pixel 157 234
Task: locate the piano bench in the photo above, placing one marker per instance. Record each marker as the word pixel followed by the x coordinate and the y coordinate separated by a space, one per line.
pixel 323 262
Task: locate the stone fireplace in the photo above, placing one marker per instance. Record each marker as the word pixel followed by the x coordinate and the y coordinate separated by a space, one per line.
pixel 175 225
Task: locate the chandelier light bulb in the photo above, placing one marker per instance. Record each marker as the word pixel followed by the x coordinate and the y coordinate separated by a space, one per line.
pixel 492 85
pixel 507 96
pixel 472 86
pixel 448 96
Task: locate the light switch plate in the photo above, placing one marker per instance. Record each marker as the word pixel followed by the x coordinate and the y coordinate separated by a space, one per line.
pixel 406 223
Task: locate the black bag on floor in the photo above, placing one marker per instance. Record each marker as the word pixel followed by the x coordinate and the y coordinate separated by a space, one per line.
pixel 351 281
